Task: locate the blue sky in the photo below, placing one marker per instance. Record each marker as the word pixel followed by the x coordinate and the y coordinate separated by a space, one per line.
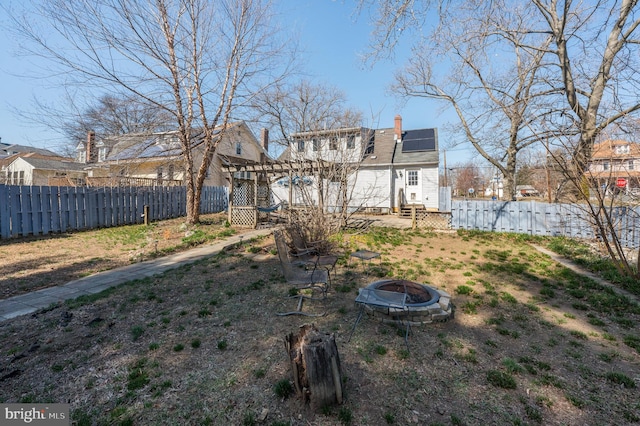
pixel 332 40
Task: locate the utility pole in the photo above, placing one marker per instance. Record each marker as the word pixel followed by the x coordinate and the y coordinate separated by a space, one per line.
pixel 444 153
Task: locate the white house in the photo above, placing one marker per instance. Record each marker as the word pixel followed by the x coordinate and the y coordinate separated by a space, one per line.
pixel 43 172
pixel 385 169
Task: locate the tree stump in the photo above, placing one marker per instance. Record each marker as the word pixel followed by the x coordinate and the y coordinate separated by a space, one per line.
pixel 315 364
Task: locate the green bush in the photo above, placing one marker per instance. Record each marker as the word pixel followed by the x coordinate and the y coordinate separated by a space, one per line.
pixel 501 379
pixel 283 388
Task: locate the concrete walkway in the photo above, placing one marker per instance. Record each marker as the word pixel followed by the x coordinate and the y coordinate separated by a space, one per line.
pixel 28 303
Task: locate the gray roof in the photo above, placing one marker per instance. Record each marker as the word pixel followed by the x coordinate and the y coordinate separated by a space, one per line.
pixel 144 146
pixel 6 149
pixel 46 164
pixel 383 148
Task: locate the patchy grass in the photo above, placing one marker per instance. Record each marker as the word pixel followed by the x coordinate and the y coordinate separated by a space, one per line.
pixel 531 342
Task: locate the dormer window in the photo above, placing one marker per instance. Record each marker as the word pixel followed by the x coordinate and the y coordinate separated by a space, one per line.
pixel 351 142
pixel 102 154
pixel 315 143
pixel 622 149
pixel 300 145
pixel 370 147
pixel 333 143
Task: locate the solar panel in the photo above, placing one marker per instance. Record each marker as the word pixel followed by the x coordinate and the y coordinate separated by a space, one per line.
pixel 419 140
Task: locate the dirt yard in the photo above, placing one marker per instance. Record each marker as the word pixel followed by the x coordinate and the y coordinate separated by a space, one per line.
pixel 531 342
pixel 29 264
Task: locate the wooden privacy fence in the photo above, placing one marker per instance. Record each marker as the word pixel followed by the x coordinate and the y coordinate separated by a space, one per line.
pixel 36 210
pixel 536 218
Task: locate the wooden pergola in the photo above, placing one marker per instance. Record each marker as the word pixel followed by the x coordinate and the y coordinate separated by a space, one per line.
pixel 248 214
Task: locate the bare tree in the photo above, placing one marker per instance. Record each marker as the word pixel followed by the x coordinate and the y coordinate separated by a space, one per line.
pixel 198 61
pixel 303 106
pixel 110 115
pixel 468 177
pixel 313 124
pixel 585 54
pixel 496 101
pixel 595 45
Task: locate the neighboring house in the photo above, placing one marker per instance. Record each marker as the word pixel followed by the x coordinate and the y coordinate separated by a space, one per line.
pixel 387 168
pixel 7 150
pixel 615 166
pixel 43 171
pixel 156 159
pixel 13 172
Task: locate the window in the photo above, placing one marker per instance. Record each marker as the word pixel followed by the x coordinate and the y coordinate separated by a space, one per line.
pixel 630 165
pixel 605 165
pixel 170 172
pixel 351 142
pixel 333 143
pixel 316 144
pixel 238 148
pixel 17 178
pixel 159 173
pixel 300 145
pixel 622 149
pixel 369 148
pixel 412 177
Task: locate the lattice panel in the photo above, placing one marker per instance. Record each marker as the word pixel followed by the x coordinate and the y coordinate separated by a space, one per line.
pixel 264 200
pixel 243 192
pixel 243 216
pixel 433 220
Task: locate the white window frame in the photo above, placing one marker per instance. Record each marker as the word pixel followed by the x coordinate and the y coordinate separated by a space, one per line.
pixel 412 178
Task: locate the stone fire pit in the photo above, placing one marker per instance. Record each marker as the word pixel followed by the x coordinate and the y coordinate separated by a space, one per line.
pixel 405 302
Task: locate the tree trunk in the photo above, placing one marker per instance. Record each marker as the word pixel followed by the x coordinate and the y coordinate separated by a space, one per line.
pixel 315 364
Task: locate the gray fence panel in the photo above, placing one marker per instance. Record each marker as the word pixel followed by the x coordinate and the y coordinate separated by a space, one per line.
pixel 5 218
pixel 46 209
pixel 536 218
pixel 26 210
pixel 55 208
pixel 16 205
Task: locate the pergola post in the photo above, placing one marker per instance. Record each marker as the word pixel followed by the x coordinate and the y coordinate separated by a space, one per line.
pixel 230 210
pixel 255 200
pixel 290 195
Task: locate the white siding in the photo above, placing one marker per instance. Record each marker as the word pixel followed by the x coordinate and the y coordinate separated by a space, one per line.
pixel 430 188
pixel 371 188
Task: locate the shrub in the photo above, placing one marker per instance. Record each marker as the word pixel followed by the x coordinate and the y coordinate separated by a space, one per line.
pixel 283 388
pixel 501 379
pixel 621 379
pixel 463 289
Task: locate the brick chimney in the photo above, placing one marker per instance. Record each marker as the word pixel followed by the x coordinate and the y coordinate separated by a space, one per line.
pixel 397 128
pixel 264 139
pixel 92 153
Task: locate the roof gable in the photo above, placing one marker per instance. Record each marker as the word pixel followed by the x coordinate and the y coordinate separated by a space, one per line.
pixel 608 150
